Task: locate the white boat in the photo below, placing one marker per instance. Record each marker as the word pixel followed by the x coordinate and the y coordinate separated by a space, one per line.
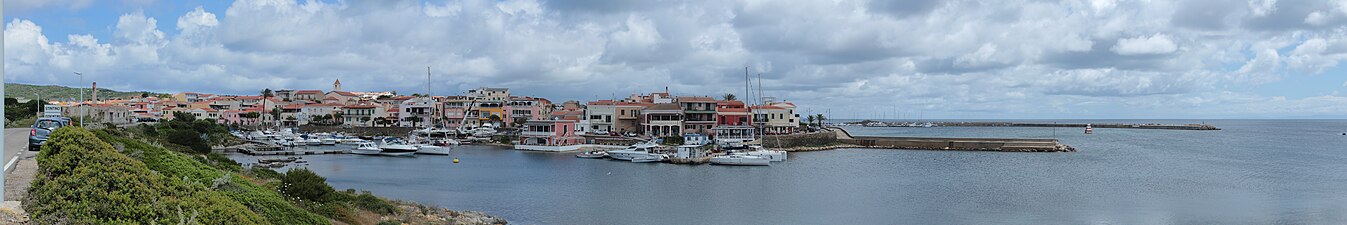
pixel 739 160
pixel 351 141
pixel 431 149
pixel 329 141
pixel 592 155
pixel 758 151
pixel 367 148
pixel 650 158
pixel 637 151
pixel 395 147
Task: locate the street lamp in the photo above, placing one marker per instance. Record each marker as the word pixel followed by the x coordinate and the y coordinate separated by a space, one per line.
pixel 83 112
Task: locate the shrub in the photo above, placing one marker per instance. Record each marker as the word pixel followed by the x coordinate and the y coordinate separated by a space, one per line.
pixel 260 200
pixel 390 222
pixel 82 180
pixel 304 184
pixel 374 204
pixel 189 138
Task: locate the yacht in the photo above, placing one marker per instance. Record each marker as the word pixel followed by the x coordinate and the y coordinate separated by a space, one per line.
pixel 637 151
pixel 431 149
pixel 396 147
pixel 329 141
pixel 650 158
pixel 367 148
pixel 739 160
pixel 758 151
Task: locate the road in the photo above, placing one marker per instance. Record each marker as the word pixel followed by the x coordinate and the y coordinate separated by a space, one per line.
pixel 16 141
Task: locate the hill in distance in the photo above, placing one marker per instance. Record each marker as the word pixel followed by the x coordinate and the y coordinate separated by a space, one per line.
pixel 28 91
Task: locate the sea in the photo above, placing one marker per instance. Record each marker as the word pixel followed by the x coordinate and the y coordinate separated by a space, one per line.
pixel 1250 172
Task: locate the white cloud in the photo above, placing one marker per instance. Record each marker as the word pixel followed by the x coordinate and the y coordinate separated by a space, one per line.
pixel 1036 59
pixel 1154 44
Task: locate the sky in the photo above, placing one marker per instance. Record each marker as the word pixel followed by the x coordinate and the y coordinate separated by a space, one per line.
pixel 992 59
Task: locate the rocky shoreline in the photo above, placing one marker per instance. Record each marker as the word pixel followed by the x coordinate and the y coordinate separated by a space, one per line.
pixel 415 213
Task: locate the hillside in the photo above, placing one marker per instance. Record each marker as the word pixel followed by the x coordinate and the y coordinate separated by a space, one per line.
pixel 28 91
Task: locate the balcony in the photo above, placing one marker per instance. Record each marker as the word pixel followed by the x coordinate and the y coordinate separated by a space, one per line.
pixel 536 134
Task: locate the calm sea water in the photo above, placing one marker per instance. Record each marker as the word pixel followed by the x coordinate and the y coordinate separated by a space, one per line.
pixel 1252 172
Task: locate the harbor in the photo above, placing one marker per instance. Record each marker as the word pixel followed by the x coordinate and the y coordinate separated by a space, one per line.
pixel 871 123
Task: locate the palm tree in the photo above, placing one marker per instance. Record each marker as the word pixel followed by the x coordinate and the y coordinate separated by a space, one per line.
pixel 811 119
pixel 380 121
pixel 820 119
pixel 266 93
pixel 730 97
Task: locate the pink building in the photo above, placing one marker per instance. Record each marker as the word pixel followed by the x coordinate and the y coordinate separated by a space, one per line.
pixel 549 135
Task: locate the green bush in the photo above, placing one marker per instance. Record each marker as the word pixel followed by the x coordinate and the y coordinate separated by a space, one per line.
pixel 260 200
pixel 81 180
pixel 304 184
pixel 390 222
pixel 374 204
pixel 186 137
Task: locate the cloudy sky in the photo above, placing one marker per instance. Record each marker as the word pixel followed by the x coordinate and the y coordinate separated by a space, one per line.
pixel 941 59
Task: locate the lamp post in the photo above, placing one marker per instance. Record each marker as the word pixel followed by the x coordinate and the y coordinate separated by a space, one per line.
pixel 83 110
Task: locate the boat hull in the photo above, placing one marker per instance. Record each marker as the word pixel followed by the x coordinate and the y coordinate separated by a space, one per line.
pixel 432 150
pixel 740 161
pixel 366 151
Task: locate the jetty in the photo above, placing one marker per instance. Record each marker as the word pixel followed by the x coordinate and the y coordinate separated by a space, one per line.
pixel 1080 125
pixel 837 137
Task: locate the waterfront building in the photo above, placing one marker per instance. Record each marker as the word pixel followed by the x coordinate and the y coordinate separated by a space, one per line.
pixel 416 112
pixel 776 118
pixel 601 115
pixel 313 111
pixel 549 135
pixel 205 113
pixel 663 120
pixel 485 111
pixel 628 117
pixel 291 114
pixel 733 136
pixel 731 113
pixel 699 114
pixel 284 95
pixel 522 108
pixel 358 115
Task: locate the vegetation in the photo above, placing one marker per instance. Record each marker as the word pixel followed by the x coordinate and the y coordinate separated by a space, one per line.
pixel 82 180
pixel 16 112
pixel 61 92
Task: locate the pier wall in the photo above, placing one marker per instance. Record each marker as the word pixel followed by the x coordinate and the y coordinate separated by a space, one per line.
pixel 799 140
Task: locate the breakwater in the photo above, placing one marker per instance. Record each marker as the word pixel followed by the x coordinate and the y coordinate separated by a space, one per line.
pixel 836 137
pixel 1082 125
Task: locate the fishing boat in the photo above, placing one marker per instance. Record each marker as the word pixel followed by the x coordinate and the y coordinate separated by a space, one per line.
pixel 1089 129
pixel 739 160
pixel 367 148
pixel 592 155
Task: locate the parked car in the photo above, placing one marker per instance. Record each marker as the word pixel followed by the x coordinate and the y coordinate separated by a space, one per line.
pixel 42 128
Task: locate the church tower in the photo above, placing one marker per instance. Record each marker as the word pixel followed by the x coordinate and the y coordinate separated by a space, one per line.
pixel 336 86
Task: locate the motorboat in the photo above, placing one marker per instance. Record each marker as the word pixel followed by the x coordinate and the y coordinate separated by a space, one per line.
pixel 637 151
pixel 367 148
pixel 350 141
pixel 758 151
pixel 739 160
pixel 592 155
pixel 396 147
pixel 431 149
pixel 329 141
pixel 650 158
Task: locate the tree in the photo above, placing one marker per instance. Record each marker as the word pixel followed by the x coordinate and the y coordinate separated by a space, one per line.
pixel 276 114
pixel 811 119
pixel 380 121
pixel 494 118
pixel 266 93
pixel 414 120
pixel 730 97
pixel 820 119
pixel 365 120
pixel 144 95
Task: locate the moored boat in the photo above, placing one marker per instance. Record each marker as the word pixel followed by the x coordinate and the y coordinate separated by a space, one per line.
pixel 592 155
pixel 431 149
pixel 637 151
pixel 367 148
pixel 395 147
pixel 739 160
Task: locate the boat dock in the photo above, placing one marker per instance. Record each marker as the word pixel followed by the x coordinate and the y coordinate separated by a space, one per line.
pixel 264 149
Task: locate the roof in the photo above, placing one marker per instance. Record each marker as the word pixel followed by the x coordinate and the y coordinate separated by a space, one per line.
pixel 664 106
pixel 696 99
pixel 767 107
pixel 359 107
pixel 391 110
pixel 292 106
pixel 732 110
pixel 302 92
pixel 345 93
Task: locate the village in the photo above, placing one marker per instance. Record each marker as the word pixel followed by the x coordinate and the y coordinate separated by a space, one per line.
pixel 482 115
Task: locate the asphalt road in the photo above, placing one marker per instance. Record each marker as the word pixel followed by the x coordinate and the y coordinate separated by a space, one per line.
pixel 16 141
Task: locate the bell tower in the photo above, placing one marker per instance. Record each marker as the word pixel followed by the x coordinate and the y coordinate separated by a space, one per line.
pixel 336 86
